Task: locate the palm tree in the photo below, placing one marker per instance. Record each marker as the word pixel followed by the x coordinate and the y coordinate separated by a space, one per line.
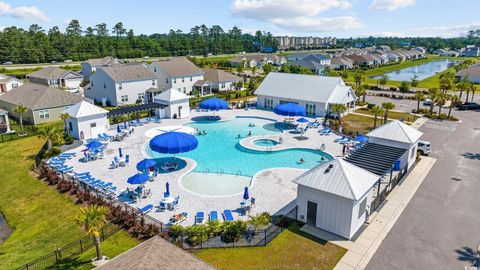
pixel 454 101
pixel 376 110
pixel 339 109
pixel 419 96
pixel 20 110
pixel 433 93
pixel 254 68
pixel 361 92
pixel 51 134
pixel 344 74
pixel 414 81
pixel 359 76
pixel 64 117
pixel 473 88
pixel 92 219
pixel 440 101
pixel 387 106
pixel 383 80
pixel 260 220
pixel 404 87
pixel 462 85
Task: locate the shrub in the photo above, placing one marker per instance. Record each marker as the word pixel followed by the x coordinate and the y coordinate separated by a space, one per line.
pixel 442 116
pixel 453 118
pixel 55 151
pixel 176 230
pixel 197 234
pixel 232 231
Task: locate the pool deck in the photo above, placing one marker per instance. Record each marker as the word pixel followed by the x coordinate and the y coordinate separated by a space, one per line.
pixel 272 188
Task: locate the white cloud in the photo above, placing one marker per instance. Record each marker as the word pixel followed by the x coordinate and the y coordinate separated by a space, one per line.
pixel 22 12
pixel 444 31
pixel 391 5
pixel 298 15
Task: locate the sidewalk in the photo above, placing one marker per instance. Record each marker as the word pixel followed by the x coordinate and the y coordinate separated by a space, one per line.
pixel 362 249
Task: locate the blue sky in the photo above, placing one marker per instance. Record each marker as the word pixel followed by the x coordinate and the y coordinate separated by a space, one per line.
pixel 340 18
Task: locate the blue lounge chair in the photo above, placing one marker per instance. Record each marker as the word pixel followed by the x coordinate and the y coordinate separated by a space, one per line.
pixel 162 206
pixel 147 208
pixel 107 185
pixel 227 215
pixel 199 217
pixel 81 174
pixel 213 216
pixel 65 170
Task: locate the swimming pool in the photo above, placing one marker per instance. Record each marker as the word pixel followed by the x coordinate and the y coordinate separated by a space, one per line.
pixel 265 142
pixel 214 184
pixel 219 150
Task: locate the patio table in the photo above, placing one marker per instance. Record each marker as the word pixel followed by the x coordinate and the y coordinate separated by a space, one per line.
pixel 168 200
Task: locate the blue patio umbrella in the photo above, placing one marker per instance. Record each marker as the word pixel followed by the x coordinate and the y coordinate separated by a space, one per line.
pixel 146 164
pixel 173 143
pixel 302 120
pixel 361 138
pixel 167 188
pixel 93 144
pixel 214 104
pixel 125 125
pixel 245 194
pixel 289 109
pixel 119 129
pixel 120 152
pixel 138 179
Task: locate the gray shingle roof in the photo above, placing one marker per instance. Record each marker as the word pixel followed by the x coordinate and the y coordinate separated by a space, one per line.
pixel 310 64
pixel 128 73
pixel 218 75
pixel 105 61
pixel 178 66
pixel 37 96
pixel 52 73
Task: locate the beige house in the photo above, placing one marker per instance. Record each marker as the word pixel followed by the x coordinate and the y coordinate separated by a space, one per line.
pixel 56 77
pixel 44 103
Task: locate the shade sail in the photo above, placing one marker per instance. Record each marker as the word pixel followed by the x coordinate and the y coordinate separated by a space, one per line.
pixel 213 104
pixel 173 143
pixel 289 109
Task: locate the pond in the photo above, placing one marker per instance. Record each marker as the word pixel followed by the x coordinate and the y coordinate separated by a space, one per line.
pixel 423 71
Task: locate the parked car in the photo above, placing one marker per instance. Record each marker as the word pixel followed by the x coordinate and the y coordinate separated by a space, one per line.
pixel 427 102
pixel 146 57
pixel 73 90
pixel 423 147
pixel 469 106
pixel 53 62
pixel 8 63
pixel 68 61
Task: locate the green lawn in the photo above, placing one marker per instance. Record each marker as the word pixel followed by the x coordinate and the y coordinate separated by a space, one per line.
pixel 42 219
pixel 292 249
pixel 391 115
pixel 354 122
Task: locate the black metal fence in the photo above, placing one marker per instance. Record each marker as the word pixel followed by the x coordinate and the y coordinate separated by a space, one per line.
pixel 29 129
pixel 382 195
pixel 67 252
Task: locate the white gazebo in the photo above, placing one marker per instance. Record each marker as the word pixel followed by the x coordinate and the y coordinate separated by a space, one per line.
pixel 86 120
pixel 335 196
pixel 177 104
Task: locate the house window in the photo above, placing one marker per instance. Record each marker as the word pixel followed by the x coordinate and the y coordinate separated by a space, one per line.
pixel 179 89
pixel 44 114
pixel 184 90
pixel 153 82
pixel 268 103
pixel 362 208
pixel 120 87
pixel 14 85
pixel 166 80
pixel 92 125
pixel 155 69
pixel 124 98
pixel 70 126
pixel 174 80
pixel 141 96
pixel 183 79
pixel 223 85
pixel 191 78
pixel 104 85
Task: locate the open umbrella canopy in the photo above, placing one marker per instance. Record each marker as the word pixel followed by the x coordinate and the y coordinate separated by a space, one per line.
pixel 146 164
pixel 245 194
pixel 302 120
pixel 138 179
pixel 361 138
pixel 167 188
pixel 173 143
pixel 289 109
pixel 119 129
pixel 213 104
pixel 120 152
pixel 93 144
pixel 125 125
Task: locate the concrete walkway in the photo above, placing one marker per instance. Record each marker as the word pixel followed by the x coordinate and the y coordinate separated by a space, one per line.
pixel 361 250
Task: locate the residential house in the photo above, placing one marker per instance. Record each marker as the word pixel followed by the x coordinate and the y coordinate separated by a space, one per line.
pixel 217 80
pixel 4 124
pixel 361 60
pixel 44 103
pixel 296 56
pixel 392 57
pixel 449 54
pixel 421 50
pixel 315 93
pixel 120 85
pixel 341 63
pixel 8 83
pixel 377 60
pixel 471 52
pixel 178 73
pixel 56 77
pixel 315 67
pixel 90 66
pixel 258 60
pixel 322 59
pixel 472 72
pixel 176 104
pixel 245 62
pixel 438 51
pixel 86 121
pixel 335 196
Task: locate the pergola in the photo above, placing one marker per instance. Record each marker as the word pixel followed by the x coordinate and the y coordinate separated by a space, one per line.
pixel 135 109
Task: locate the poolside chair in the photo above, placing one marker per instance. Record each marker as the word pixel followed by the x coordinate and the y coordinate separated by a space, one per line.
pixel 199 217
pixel 213 216
pixel 81 174
pixel 176 219
pixel 162 207
pixel 147 208
pixel 227 215
pixel 65 170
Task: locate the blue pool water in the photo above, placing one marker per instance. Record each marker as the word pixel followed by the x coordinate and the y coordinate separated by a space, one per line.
pixel 265 142
pixel 219 150
pixel 423 71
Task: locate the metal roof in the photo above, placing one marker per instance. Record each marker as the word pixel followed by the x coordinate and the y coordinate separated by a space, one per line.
pixel 396 131
pixel 83 109
pixel 171 95
pixel 340 178
pixel 310 88
pixel 376 158
pixel 135 108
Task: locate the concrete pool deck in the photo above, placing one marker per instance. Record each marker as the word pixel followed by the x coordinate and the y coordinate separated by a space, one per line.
pixel 272 188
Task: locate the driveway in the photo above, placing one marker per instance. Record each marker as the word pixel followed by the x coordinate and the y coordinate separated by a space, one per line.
pixel 440 228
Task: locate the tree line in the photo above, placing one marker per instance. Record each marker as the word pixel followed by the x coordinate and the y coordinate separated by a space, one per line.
pixel 76 43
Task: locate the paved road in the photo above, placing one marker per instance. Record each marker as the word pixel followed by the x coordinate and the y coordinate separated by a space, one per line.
pixel 442 222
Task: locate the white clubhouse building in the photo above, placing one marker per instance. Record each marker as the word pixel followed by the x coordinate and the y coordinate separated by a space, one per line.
pixel 86 121
pixel 315 93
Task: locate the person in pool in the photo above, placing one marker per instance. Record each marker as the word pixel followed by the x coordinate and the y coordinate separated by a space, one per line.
pixel 249 133
pixel 302 160
pixel 238 136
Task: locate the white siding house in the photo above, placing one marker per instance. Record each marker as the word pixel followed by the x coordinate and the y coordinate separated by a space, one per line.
pixel 121 84
pixel 86 121
pixel 177 104
pixel 400 135
pixel 90 66
pixel 8 83
pixel 315 93
pixel 335 196
pixel 56 77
